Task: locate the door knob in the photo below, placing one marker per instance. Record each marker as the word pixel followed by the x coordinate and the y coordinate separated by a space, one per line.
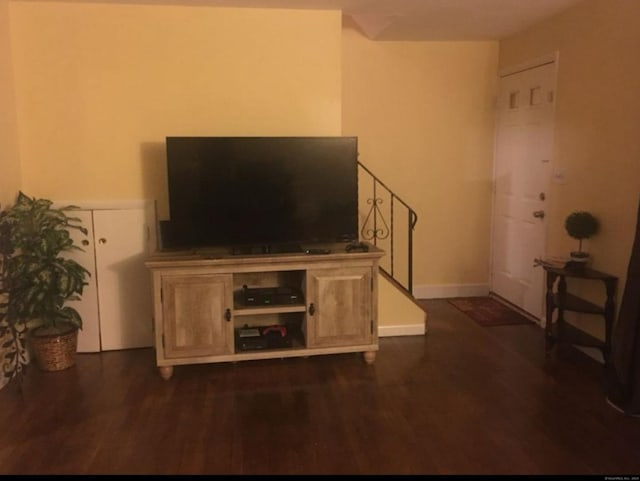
pixel 539 214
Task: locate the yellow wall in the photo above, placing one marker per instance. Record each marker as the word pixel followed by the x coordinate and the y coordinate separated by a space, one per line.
pixel 99 86
pixel 597 121
pixel 423 112
pixel 9 161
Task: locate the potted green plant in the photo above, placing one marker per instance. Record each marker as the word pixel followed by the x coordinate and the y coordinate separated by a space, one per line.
pixel 37 279
pixel 581 225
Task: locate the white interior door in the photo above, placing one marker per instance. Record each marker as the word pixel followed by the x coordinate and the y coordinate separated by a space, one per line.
pixel 124 291
pixel 523 157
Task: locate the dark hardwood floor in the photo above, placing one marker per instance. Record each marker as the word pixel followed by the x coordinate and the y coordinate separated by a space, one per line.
pixel 463 399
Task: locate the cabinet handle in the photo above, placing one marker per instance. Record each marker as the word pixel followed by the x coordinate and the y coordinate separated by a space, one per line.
pixel 102 240
pixel 85 242
pixel 227 315
pixel 312 309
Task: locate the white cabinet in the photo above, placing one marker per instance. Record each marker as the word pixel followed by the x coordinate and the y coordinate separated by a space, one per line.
pixel 115 307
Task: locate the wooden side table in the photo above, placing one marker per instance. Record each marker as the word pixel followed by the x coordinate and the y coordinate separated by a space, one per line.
pixel 561 300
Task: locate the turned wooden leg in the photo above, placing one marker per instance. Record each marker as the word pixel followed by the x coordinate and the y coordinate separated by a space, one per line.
pixel 369 356
pixel 166 372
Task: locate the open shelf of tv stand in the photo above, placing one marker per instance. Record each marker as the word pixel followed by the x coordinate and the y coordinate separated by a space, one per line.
pixel 197 313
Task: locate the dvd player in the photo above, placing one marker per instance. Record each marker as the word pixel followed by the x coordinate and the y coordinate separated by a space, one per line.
pixel 266 296
pixel 263 337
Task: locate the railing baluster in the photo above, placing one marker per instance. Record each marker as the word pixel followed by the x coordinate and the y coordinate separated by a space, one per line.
pixel 392 237
pixel 375 211
pixel 411 223
pixel 381 230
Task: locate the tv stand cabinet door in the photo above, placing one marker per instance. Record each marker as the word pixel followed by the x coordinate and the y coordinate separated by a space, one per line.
pixel 195 313
pixel 339 307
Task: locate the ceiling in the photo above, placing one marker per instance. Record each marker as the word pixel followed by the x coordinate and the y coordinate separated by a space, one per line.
pixel 415 19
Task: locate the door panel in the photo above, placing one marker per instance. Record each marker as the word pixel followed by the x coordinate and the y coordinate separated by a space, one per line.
pixel 194 315
pixel 342 307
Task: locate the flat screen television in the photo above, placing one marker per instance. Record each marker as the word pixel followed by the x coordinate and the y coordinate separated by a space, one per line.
pixel 261 193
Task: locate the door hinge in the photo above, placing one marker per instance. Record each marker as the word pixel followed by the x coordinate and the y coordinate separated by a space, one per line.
pixel 372 284
pixel 163 342
pixel 371 326
pixel 161 296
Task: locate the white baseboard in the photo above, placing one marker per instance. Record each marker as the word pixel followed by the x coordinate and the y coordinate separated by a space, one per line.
pixel 432 291
pixel 408 330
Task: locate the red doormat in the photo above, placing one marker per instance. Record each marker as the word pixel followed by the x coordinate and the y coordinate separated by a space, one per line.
pixel 488 312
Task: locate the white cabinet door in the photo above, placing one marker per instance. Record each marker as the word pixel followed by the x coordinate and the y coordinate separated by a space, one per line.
pixel 124 284
pixel 87 307
pixel 116 306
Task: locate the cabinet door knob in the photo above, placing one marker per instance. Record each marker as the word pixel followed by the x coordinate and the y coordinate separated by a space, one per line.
pixel 539 214
pixel 227 315
pixel 312 309
pixel 85 242
pixel 102 240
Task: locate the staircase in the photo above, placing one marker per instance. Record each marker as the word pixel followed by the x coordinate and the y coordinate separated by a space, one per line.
pixel 388 222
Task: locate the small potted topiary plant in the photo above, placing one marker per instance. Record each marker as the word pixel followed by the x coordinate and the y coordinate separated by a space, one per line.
pixel 36 281
pixel 581 225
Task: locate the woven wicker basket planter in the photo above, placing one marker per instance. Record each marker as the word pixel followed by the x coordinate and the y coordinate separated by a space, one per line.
pixel 54 352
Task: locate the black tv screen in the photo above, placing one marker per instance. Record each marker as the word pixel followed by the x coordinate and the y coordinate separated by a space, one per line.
pixel 261 191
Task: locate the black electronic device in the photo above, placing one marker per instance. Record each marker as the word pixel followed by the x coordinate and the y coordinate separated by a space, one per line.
pixel 250 339
pixel 277 336
pixel 357 247
pixel 266 296
pixel 317 251
pixel 265 337
pixel 255 194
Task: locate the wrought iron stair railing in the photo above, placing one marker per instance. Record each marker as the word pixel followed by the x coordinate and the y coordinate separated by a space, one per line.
pixel 388 222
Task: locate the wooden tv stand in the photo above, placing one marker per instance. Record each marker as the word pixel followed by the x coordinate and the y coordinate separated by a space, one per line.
pixel 200 311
